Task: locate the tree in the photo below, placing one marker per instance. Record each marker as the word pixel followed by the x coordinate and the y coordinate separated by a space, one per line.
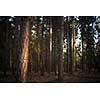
pixel 23 44
pixel 87 35
pixel 60 48
pixel 70 46
pixel 50 44
pixel 42 47
pixel 73 40
pixel 4 39
pixel 54 45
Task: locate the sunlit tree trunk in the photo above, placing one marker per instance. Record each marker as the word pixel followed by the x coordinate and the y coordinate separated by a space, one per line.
pixel 50 45
pixel 24 41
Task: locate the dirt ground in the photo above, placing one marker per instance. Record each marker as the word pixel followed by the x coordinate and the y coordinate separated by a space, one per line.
pixel 52 78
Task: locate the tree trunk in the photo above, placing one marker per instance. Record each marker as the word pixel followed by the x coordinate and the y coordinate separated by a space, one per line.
pixel 55 58
pixel 70 50
pixel 82 60
pixel 7 53
pixel 42 49
pixel 23 46
pixel 60 49
pixel 50 45
pixel 73 36
pixel 38 44
pixel 67 30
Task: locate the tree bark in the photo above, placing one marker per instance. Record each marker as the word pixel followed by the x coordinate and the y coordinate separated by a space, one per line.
pixel 73 36
pixel 42 48
pixel 23 52
pixel 50 45
pixel 70 50
pixel 60 49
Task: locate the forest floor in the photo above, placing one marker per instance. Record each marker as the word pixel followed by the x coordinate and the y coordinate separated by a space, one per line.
pixel 52 78
pixel 67 78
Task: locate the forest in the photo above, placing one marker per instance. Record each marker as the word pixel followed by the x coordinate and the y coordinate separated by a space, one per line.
pixel 49 49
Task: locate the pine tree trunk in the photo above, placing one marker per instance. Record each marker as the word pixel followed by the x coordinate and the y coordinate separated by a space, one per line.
pixel 70 46
pixel 38 45
pixel 16 50
pixel 24 54
pixel 42 50
pixel 67 31
pixel 7 53
pixel 60 49
pixel 74 52
pixel 50 45
pixel 24 50
pixel 82 61
pixel 55 53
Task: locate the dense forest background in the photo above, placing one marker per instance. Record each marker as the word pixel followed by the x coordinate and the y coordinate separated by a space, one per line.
pixel 49 49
